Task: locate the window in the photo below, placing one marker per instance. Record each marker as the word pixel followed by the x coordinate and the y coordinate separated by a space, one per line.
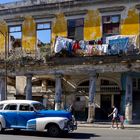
pixel 11 107
pixel 110 25
pixel 15 35
pixel 107 82
pixel 78 99
pixel 75 29
pixel 136 83
pixel 108 86
pixel 38 106
pixel 25 107
pixel 43 34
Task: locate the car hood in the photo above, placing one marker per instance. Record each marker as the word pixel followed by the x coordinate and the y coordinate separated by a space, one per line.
pixel 53 113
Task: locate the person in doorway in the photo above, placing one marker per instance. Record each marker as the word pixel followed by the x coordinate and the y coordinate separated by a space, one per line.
pixel 114 115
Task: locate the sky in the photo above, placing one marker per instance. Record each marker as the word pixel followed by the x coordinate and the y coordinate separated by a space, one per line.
pixel 6 1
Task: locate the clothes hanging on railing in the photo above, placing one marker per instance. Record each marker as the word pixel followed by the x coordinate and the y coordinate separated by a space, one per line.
pixel 118 44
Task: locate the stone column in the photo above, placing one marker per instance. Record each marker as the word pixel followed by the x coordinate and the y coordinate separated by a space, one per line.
pixel 28 88
pixel 3 91
pixel 20 85
pixel 44 86
pixel 44 92
pixel 91 105
pixel 128 99
pixel 58 92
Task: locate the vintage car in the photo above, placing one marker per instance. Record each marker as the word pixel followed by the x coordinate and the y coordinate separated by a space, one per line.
pixel 32 115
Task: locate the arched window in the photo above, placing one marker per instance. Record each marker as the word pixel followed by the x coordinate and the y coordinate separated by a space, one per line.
pixel 83 87
pixel 108 86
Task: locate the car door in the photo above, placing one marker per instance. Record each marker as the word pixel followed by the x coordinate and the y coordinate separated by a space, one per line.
pixel 24 114
pixel 10 114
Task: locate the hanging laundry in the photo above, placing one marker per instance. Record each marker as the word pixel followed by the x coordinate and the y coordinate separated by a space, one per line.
pixel 61 43
pixel 82 44
pixel 75 46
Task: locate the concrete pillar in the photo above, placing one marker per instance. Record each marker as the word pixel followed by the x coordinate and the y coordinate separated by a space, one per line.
pixel 3 85
pixel 44 91
pixel 20 85
pixel 28 88
pixel 44 86
pixel 91 105
pixel 128 99
pixel 58 91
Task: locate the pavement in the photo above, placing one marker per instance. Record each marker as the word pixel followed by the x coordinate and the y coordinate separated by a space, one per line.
pixel 105 125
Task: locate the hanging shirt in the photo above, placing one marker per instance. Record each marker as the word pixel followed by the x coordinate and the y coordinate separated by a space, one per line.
pixel 76 46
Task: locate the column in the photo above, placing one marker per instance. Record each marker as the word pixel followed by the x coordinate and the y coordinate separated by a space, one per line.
pixel 3 88
pixel 58 91
pixel 44 86
pixel 91 105
pixel 44 92
pixel 20 85
pixel 128 99
pixel 28 88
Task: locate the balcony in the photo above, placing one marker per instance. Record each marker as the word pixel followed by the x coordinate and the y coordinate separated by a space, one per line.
pixel 109 88
pixel 21 63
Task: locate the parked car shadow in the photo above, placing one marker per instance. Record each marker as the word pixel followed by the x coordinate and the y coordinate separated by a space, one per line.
pixel 74 135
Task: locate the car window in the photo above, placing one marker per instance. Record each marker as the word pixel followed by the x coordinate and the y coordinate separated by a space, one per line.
pixel 1 106
pixel 11 107
pixel 38 106
pixel 25 107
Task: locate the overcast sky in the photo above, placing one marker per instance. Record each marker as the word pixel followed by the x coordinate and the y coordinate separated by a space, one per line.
pixel 6 1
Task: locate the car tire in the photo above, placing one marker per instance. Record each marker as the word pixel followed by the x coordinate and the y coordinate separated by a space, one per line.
pixel 1 128
pixel 53 130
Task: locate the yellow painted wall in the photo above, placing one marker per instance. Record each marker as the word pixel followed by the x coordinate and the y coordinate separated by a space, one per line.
pixel 59 27
pixel 3 36
pixel 130 25
pixel 29 34
pixel 92 29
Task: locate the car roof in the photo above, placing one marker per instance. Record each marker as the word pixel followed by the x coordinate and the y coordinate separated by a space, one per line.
pixel 18 101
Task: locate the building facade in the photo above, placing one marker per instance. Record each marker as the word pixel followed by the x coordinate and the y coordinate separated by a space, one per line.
pixel 71 52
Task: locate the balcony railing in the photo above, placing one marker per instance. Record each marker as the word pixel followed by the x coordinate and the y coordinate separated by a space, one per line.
pixel 110 88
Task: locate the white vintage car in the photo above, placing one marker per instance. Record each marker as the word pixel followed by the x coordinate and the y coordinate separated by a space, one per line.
pixel 31 115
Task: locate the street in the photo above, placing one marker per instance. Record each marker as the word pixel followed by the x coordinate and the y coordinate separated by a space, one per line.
pixel 81 133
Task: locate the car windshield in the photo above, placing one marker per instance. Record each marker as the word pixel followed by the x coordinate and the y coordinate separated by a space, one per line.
pixel 38 106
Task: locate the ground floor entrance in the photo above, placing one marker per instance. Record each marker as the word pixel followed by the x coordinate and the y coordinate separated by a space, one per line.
pixel 106 102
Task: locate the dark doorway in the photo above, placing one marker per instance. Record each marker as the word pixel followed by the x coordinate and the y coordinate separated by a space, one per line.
pixel 136 106
pixel 117 101
pixel 105 107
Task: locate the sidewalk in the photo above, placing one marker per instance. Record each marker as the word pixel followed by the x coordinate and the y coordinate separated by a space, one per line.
pixel 105 125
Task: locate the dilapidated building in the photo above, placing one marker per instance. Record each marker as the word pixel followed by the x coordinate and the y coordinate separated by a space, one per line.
pixel 83 53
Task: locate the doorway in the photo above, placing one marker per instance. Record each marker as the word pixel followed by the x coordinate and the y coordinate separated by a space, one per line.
pixel 105 107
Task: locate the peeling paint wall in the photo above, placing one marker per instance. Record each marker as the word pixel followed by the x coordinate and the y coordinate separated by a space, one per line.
pixel 130 24
pixel 92 29
pixel 59 27
pixel 29 34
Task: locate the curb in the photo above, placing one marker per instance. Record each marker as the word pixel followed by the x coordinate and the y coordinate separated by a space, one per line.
pixel 106 126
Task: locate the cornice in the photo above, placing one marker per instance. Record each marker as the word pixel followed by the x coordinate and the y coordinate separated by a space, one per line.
pixel 112 9
pixel 72 13
pixel 51 6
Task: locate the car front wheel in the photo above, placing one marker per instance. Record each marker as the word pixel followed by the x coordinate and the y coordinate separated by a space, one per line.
pixel 53 130
pixel 1 128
